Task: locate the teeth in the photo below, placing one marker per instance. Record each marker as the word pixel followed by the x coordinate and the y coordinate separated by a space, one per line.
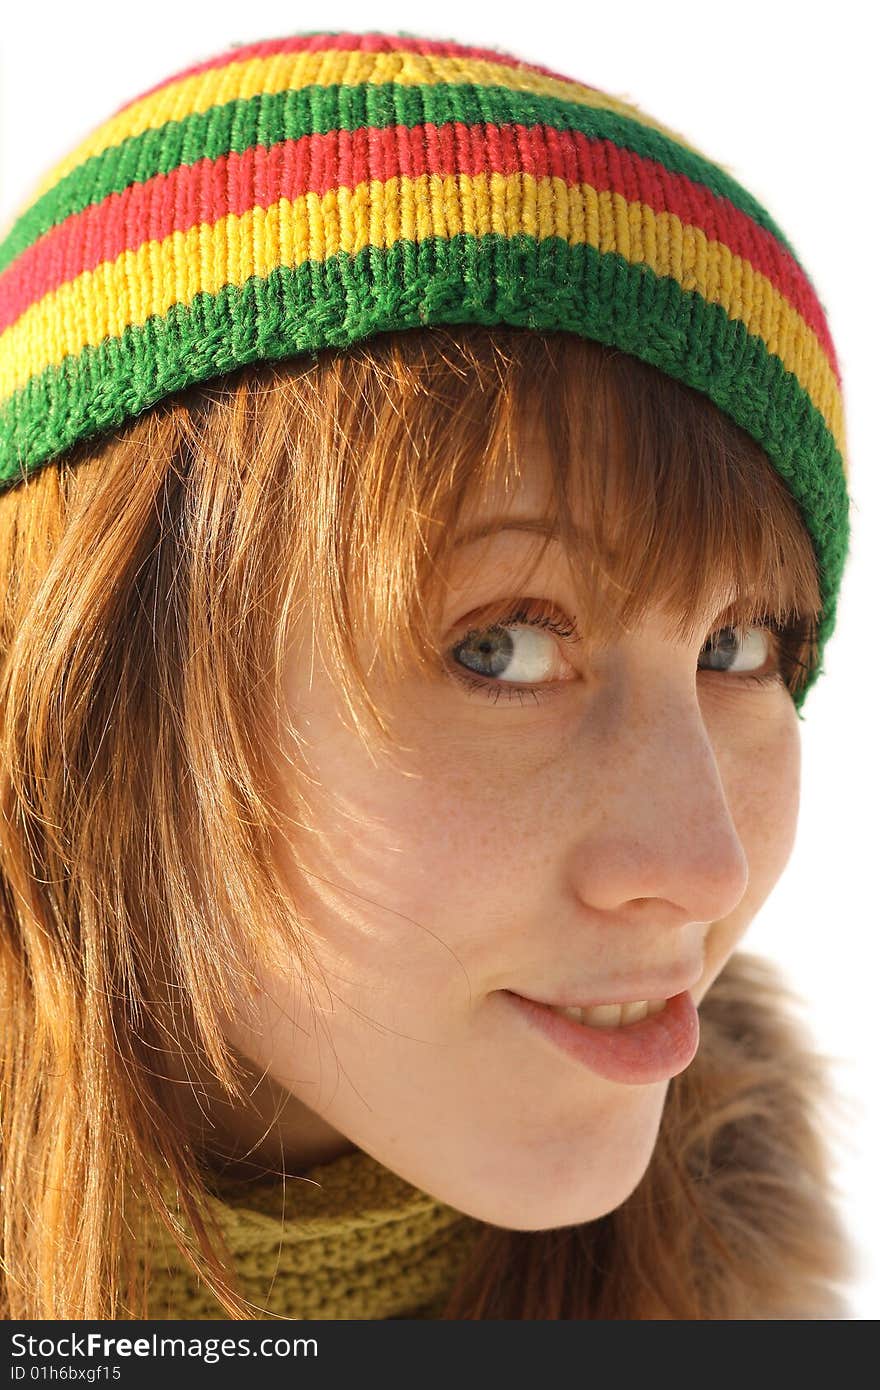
pixel 631 1013
pixel 603 1015
pixel 613 1015
pixel 573 1012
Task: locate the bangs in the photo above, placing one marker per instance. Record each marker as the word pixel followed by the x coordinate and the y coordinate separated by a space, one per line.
pixel 658 498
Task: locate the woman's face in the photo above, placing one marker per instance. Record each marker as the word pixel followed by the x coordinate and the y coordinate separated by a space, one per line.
pixel 625 829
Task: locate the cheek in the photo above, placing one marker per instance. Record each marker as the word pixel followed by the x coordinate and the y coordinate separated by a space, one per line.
pixel 437 871
pixel 760 769
pixel 415 863
pixel 762 784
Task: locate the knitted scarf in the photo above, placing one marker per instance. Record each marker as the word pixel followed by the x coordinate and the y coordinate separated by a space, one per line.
pixel 348 1239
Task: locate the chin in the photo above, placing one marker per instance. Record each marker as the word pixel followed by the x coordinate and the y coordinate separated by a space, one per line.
pixel 582 1179
pixel 546 1211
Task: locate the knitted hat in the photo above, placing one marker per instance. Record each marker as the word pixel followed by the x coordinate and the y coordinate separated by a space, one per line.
pixel 307 192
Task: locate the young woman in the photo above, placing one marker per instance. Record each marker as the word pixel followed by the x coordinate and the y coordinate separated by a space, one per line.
pixel 424 512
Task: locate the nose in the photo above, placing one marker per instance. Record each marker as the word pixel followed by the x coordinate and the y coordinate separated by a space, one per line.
pixel 659 840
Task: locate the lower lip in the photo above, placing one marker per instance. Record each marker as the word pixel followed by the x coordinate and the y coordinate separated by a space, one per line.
pixel 654 1049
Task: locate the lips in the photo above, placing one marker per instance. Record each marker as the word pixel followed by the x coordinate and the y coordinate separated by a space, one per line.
pixel 652 1050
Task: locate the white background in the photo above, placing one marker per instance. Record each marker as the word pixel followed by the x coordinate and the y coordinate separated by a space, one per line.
pixel 780 93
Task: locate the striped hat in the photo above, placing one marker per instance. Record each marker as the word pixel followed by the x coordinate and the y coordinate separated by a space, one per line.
pixel 308 192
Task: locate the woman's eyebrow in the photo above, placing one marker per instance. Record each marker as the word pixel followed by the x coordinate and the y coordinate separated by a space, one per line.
pixel 545 525
pixel 548 526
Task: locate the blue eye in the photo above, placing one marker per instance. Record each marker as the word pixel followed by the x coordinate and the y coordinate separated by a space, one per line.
pixel 507 659
pixel 515 647
pixel 728 641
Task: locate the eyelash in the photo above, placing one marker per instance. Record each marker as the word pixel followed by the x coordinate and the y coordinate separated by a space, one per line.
pixel 535 614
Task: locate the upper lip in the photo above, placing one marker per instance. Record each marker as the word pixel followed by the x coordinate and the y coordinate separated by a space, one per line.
pixel 661 987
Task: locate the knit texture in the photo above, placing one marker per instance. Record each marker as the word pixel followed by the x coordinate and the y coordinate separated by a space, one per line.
pixel 310 191
pixel 348 1239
